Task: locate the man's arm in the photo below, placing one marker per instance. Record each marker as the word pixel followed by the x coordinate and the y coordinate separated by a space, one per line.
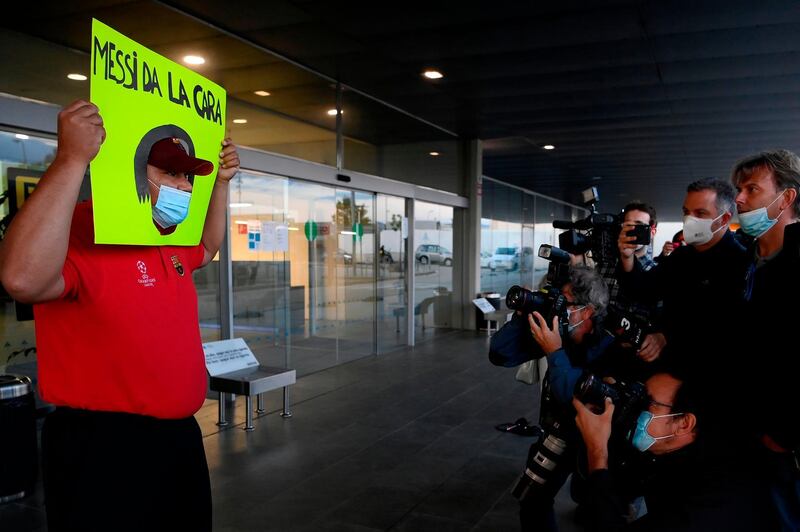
pixel 35 248
pixel 214 228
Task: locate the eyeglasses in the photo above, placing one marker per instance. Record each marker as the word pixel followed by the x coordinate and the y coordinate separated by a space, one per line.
pixel 657 403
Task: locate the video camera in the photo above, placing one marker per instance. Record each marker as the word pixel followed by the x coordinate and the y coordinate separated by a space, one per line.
pixel 627 327
pixel 513 344
pixel 547 460
pixel 596 234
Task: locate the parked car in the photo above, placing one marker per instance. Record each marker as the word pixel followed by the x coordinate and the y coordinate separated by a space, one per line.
pixel 512 258
pixel 433 254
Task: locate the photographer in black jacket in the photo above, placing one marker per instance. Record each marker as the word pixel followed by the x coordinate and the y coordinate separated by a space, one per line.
pixel 768 185
pixel 702 289
pixel 686 483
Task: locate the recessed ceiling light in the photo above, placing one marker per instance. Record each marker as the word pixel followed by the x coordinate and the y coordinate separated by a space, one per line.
pixel 77 77
pixel 239 120
pixel 434 154
pixel 262 93
pixel 332 112
pixel 597 178
pixel 549 147
pixel 193 60
pixel 239 205
pixel 433 74
pixel 22 136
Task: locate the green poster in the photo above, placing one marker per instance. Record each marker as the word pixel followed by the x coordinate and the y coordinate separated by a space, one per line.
pixel 143 98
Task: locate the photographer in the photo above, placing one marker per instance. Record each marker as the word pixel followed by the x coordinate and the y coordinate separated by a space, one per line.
pixel 639 214
pixel 768 185
pixel 701 286
pixel 686 484
pixel 584 344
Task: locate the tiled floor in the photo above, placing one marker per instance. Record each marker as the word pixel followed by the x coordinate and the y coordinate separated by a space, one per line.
pixel 404 442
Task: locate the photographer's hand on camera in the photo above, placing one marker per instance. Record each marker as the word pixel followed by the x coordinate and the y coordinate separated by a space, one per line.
pixel 596 431
pixel 652 346
pixel 549 339
pixel 626 247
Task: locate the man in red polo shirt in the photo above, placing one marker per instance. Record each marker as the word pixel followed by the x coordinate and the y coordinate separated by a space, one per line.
pixel 118 340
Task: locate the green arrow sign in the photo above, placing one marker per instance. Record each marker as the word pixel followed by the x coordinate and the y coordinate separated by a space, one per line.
pixel 311 230
pixel 358 229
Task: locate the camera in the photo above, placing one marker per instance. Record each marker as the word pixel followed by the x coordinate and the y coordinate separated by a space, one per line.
pixel 626 327
pixel 555 450
pixel 641 232
pixel 513 344
pixel 596 234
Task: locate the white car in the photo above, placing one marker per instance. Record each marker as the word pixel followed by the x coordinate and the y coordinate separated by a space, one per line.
pixel 512 258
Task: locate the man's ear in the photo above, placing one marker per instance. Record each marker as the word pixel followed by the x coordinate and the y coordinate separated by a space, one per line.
pixel 686 423
pixel 792 196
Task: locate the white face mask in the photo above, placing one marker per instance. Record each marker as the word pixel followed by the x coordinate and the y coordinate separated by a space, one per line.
pixel 697 231
pixel 572 327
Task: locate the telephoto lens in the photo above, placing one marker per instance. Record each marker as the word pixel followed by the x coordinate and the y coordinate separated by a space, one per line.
pixel 544 460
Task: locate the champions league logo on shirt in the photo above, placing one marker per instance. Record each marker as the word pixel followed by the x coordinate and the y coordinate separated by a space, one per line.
pixel 145 280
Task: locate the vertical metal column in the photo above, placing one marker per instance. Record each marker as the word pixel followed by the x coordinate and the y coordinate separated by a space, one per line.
pixel 339 136
pixel 410 271
pixel 287 406
pixel 225 299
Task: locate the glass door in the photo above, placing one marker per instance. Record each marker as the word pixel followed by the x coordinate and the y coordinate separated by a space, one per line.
pixel 392 295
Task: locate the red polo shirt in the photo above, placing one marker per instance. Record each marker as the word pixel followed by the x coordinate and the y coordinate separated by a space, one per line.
pixel 124 336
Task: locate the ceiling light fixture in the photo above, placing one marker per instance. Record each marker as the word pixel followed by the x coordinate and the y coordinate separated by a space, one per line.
pixel 332 112
pixel 434 154
pixel 262 93
pixel 239 206
pixel 22 136
pixel 549 147
pixel 239 120
pixel 433 74
pixel 193 60
pixel 76 77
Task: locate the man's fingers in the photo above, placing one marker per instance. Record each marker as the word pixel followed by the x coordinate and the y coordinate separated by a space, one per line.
pixel 534 326
pixel 86 110
pixel 74 105
pixel 609 411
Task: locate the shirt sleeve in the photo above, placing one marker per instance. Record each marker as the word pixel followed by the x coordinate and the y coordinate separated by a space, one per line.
pixel 562 376
pixel 194 257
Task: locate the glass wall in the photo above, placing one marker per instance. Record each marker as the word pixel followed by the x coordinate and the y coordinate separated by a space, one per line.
pixel 392 225
pixel 514 224
pixel 23 158
pixel 433 269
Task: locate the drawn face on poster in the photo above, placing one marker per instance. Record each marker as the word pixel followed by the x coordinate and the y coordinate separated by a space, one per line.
pixel 153 177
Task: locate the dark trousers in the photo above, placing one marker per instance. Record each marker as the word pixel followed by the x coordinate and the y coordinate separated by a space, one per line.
pixel 124 472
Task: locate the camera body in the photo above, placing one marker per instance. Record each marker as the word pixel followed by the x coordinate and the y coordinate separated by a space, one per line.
pixel 627 327
pixel 549 458
pixel 641 232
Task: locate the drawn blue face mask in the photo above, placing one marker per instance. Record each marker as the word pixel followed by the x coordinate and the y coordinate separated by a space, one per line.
pixel 757 222
pixel 642 439
pixel 172 206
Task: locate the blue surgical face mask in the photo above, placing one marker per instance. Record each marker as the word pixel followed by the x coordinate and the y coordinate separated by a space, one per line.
pixel 642 439
pixel 172 206
pixel 757 222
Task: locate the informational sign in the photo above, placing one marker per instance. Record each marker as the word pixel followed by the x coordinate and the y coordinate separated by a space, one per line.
pixel 404 227
pixel 226 356
pixel 358 231
pixel 311 230
pixel 143 98
pixel 483 305
pixel 268 236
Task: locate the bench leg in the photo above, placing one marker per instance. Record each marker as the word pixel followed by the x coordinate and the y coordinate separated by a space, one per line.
pixel 287 412
pixel 248 426
pixel 260 403
pixel 222 422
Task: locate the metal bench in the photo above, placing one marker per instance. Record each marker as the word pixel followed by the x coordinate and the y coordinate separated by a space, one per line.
pixel 249 382
pixel 233 369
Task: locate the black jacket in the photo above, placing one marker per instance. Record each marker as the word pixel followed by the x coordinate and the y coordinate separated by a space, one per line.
pixel 771 327
pixel 692 489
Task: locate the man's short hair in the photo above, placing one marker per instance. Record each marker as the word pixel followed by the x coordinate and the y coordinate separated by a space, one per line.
pixel 783 164
pixel 644 207
pixel 685 400
pixel 589 288
pixel 726 194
